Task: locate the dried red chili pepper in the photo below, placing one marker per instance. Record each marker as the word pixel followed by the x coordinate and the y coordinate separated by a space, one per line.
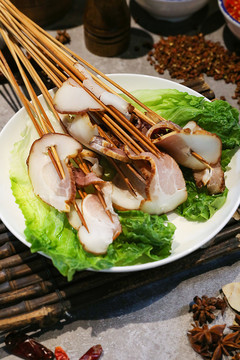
pixel 93 353
pixel 60 354
pixel 233 7
pixel 26 347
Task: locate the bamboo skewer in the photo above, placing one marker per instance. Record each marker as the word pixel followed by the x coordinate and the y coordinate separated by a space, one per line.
pixel 52 153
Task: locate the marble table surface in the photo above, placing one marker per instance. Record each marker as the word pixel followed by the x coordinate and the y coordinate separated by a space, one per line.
pixel 152 321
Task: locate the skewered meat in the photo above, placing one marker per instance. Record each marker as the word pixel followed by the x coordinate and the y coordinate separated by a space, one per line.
pixel 71 98
pixel 45 180
pixel 102 230
pixel 181 143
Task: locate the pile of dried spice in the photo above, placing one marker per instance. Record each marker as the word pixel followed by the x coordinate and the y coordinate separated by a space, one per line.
pixel 213 342
pixel 187 57
pixel 233 7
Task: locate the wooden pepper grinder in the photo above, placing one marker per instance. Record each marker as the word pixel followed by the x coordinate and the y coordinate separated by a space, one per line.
pixel 106 26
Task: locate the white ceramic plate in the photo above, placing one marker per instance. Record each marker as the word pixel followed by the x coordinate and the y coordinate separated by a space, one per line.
pixel 188 237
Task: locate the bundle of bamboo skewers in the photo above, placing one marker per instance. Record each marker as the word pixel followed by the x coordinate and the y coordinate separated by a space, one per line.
pixel 23 38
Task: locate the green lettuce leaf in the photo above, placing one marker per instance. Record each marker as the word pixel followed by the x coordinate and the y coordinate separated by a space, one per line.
pixel 218 116
pixel 200 206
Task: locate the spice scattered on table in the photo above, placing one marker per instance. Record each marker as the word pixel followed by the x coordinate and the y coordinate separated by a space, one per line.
pixel 233 7
pixel 204 340
pixel 93 353
pixel 203 308
pixel 63 37
pixel 187 57
pixel 216 341
pixel 26 347
pixel 60 354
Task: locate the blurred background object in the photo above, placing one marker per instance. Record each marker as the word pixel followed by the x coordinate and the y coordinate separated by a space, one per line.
pixel 172 10
pixel 231 12
pixel 43 12
pixel 106 26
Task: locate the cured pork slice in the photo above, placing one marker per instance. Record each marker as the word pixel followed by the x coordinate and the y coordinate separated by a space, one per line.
pixel 102 230
pixel 106 97
pixel 212 177
pixel 71 98
pixel 82 179
pixel 73 217
pixel 122 198
pixel 45 180
pixel 93 159
pixel 181 144
pixel 104 147
pixel 165 186
pixel 81 128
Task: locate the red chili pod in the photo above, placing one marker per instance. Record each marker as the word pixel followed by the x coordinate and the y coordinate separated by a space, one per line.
pixel 93 353
pixel 26 347
pixel 60 354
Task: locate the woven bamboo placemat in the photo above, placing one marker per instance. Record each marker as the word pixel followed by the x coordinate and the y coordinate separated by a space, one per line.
pixel 33 293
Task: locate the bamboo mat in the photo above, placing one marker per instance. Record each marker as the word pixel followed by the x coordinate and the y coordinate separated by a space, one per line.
pixel 33 293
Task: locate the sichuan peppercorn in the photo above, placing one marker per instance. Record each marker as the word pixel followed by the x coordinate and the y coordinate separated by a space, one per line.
pixel 188 57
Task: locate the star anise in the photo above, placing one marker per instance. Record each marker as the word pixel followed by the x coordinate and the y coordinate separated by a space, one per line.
pixel 204 307
pixel 226 345
pixel 236 327
pixel 219 303
pixel 204 339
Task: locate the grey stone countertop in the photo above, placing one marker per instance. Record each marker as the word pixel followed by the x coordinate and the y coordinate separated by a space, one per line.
pixel 152 321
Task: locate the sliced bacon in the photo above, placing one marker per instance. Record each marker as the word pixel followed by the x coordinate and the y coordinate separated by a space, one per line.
pixel 107 98
pixel 73 217
pixel 82 179
pixel 119 103
pixel 44 178
pixel 71 98
pixel 81 128
pixel 102 231
pixel 181 144
pixel 162 128
pixel 165 185
pixel 93 159
pixel 122 198
pixel 212 178
pixel 102 146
